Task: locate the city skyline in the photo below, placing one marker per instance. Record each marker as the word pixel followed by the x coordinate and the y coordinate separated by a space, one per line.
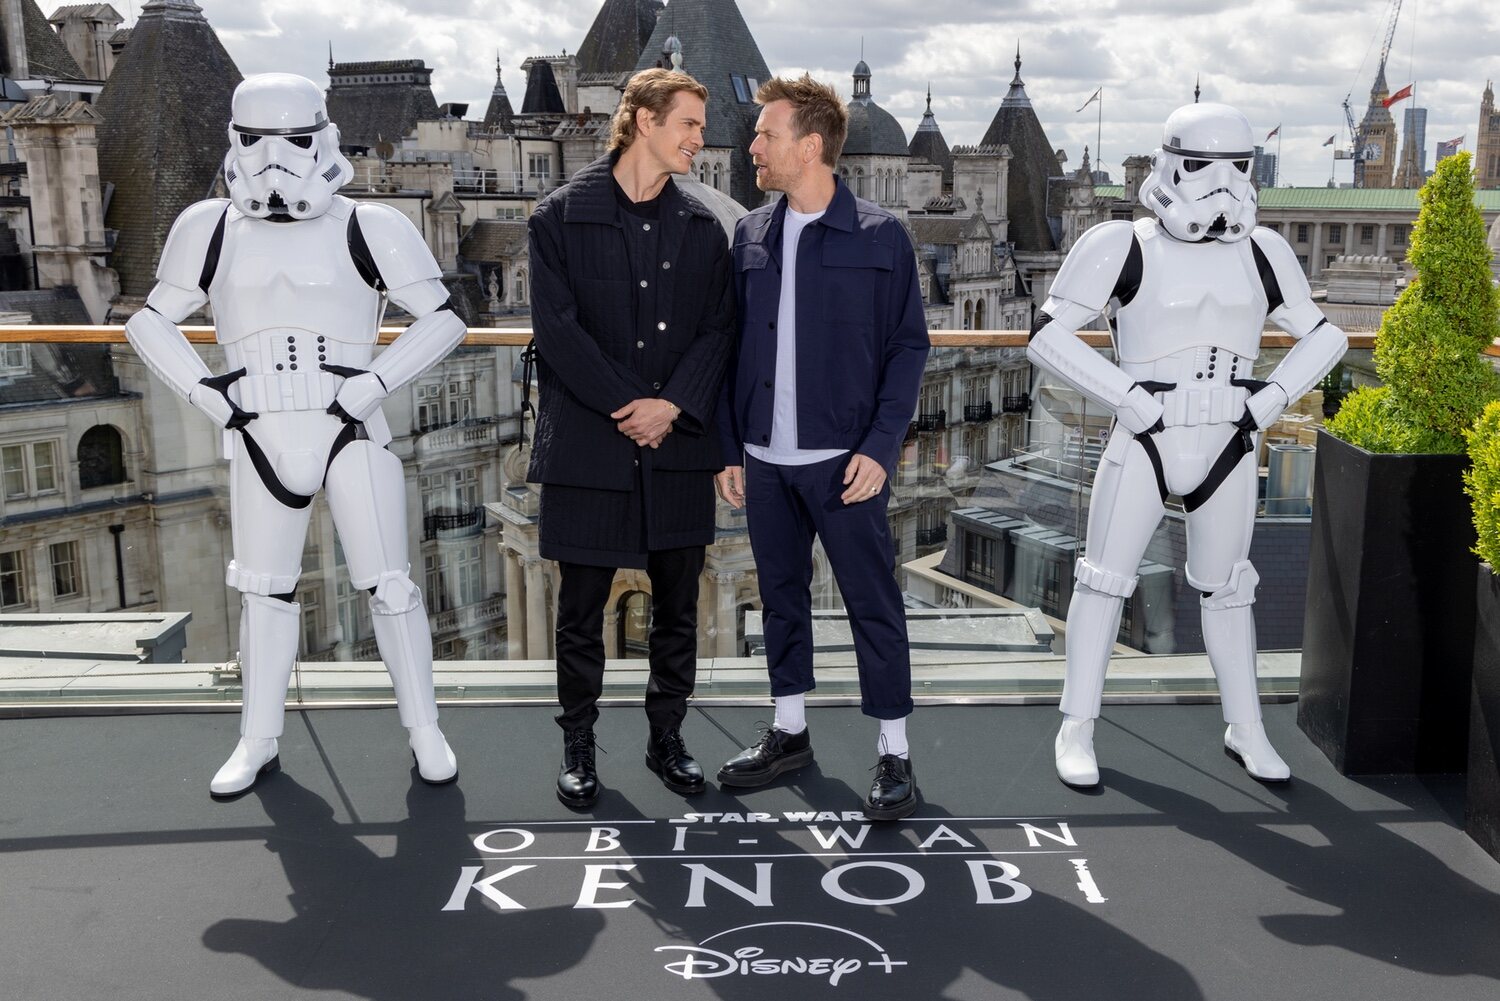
pixel 966 49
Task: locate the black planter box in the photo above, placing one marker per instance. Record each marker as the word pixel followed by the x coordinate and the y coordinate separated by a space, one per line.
pixel 1482 812
pixel 1388 642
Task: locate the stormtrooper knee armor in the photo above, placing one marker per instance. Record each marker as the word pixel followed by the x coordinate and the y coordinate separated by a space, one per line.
pixel 298 278
pixel 1187 294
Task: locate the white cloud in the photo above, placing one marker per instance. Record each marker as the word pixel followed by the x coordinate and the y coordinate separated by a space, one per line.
pixel 1282 62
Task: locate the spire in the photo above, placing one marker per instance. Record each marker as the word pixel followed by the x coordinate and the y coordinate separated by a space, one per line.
pixel 1016 97
pixel 862 80
pixel 1085 170
pixel 929 100
pixel 330 54
pixel 1197 88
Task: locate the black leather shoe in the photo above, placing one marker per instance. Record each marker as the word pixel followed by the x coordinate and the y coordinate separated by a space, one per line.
pixel 668 757
pixel 893 794
pixel 777 751
pixel 578 783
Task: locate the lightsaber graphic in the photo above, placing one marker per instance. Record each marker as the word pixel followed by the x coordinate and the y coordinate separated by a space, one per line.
pixel 1086 881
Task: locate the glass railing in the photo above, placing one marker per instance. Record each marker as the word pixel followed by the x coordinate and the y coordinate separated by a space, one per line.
pixel 114 522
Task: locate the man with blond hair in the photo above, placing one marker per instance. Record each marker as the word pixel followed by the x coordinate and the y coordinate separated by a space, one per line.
pixel 633 316
pixel 833 341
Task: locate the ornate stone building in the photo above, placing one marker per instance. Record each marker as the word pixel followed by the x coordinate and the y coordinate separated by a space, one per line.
pixel 1487 142
pixel 1379 128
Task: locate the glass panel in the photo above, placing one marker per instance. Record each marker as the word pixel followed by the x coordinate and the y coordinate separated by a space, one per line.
pixel 45 465
pixel 12 579
pixel 65 581
pixel 13 462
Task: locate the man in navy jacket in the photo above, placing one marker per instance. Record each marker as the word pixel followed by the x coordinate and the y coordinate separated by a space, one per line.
pixel 832 345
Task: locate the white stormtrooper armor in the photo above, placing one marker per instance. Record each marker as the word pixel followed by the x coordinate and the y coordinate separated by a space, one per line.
pixel 298 277
pixel 1187 294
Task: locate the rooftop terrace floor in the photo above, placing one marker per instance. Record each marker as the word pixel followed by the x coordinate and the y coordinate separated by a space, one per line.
pixel 345 876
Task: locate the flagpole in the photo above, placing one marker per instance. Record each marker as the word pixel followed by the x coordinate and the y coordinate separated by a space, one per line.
pixel 1099 136
pixel 1276 178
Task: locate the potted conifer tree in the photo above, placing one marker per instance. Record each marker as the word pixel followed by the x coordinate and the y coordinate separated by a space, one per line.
pixel 1388 637
pixel 1482 813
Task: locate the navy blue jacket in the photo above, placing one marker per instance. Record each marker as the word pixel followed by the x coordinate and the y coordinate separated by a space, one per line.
pixel 591 359
pixel 861 332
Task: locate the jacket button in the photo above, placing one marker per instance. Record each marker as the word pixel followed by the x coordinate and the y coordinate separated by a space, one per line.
pixel 646 226
pixel 666 265
pixel 661 325
pixel 768 383
pixel 772 324
pixel 637 462
pixel 656 385
pixel 643 283
pixel 765 439
pixel 640 344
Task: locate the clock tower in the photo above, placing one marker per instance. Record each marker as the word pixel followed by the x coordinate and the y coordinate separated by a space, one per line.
pixel 1379 128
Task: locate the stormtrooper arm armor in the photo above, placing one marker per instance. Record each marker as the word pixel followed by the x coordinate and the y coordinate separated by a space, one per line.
pixel 1320 344
pixel 1103 266
pixel 153 331
pixel 404 269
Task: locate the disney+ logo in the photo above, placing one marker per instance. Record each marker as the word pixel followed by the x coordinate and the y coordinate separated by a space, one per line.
pixel 703 963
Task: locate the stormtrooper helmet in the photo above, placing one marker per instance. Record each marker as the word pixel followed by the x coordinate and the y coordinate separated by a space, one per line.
pixel 1200 186
pixel 283 157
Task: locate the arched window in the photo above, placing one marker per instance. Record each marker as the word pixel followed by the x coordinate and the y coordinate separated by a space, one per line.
pixel 635 625
pixel 718 177
pixel 979 315
pixel 968 315
pixel 520 289
pixel 101 457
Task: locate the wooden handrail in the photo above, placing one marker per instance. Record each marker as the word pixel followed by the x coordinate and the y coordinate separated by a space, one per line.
pixel 516 337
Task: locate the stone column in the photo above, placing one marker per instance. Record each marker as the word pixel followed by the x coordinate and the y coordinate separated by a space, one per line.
pixel 538 637
pixel 1382 232
pixel 1315 256
pixel 515 608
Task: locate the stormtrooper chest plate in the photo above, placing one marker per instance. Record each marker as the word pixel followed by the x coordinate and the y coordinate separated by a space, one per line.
pixel 1192 295
pixel 295 277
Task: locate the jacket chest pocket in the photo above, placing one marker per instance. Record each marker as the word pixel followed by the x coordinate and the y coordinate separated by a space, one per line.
pixel 856 275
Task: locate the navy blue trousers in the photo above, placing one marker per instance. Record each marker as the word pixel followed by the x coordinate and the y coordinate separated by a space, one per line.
pixel 787 507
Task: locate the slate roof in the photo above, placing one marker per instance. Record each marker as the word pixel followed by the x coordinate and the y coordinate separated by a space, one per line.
pixel 370 111
pixel 716 46
pixel 499 116
pixel 490 241
pixel 46 55
pixel 166 106
pixel 542 96
pixel 617 36
pixel 944 230
pixel 873 131
pixel 1033 161
pixel 98 11
pixel 928 144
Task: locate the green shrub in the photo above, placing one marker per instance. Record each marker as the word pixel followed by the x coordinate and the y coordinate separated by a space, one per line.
pixel 1428 350
pixel 1482 483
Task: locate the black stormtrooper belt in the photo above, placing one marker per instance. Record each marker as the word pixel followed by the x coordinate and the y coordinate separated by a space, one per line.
pixel 1238 446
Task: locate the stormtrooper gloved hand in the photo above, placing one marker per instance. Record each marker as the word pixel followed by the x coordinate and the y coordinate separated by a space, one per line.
pixel 211 397
pixel 358 397
pixel 1264 407
pixel 1139 411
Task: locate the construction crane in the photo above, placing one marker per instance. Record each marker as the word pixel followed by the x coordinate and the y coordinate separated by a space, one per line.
pixel 1359 150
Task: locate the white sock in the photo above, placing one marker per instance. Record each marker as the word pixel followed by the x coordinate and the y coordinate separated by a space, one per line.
pixel 791 713
pixel 893 737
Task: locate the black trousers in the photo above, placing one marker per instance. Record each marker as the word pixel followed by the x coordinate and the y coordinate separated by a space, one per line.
pixel 581 596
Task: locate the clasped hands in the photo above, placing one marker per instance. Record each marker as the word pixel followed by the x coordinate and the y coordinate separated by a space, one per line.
pixel 646 421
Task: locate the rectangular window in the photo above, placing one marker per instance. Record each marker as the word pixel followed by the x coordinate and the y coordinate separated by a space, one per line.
pixel 438 598
pixel 741 88
pixel 979 558
pixel 1274 227
pixel 976 392
pixel 470 574
pixel 13 464
pixel 1367 234
pixel 67 576
pixel 44 466
pixel 1302 232
pixel 354 612
pixel 978 447
pixel 312 618
pixel 1335 232
pixel 14 359
pixel 12 579
pixel 931 399
pixel 1398 235
pixel 539 166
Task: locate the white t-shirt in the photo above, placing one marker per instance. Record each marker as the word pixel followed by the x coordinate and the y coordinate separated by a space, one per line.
pixel 783 450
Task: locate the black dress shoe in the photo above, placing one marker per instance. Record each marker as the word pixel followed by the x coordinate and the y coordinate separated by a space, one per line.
pixel 668 757
pixel 777 751
pixel 893 794
pixel 578 783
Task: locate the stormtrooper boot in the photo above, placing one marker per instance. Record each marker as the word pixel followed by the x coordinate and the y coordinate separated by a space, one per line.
pixel 268 648
pixel 1074 751
pixel 1229 638
pixel 405 643
pixel 1247 742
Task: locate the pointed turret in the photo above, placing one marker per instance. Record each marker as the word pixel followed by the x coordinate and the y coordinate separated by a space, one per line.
pixel 617 37
pixel 499 115
pixel 928 143
pixel 1016 125
pixel 166 110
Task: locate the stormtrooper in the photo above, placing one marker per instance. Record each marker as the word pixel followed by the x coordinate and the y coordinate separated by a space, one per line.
pixel 298 278
pixel 1187 294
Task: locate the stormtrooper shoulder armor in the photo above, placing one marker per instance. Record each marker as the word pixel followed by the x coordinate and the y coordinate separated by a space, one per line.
pixel 191 252
pixel 1288 298
pixel 395 248
pixel 1099 266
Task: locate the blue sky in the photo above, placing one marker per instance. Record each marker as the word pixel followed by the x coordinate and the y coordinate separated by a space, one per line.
pixel 1281 62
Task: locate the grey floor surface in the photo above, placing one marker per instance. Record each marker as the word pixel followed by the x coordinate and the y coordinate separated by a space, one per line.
pixel 343 877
